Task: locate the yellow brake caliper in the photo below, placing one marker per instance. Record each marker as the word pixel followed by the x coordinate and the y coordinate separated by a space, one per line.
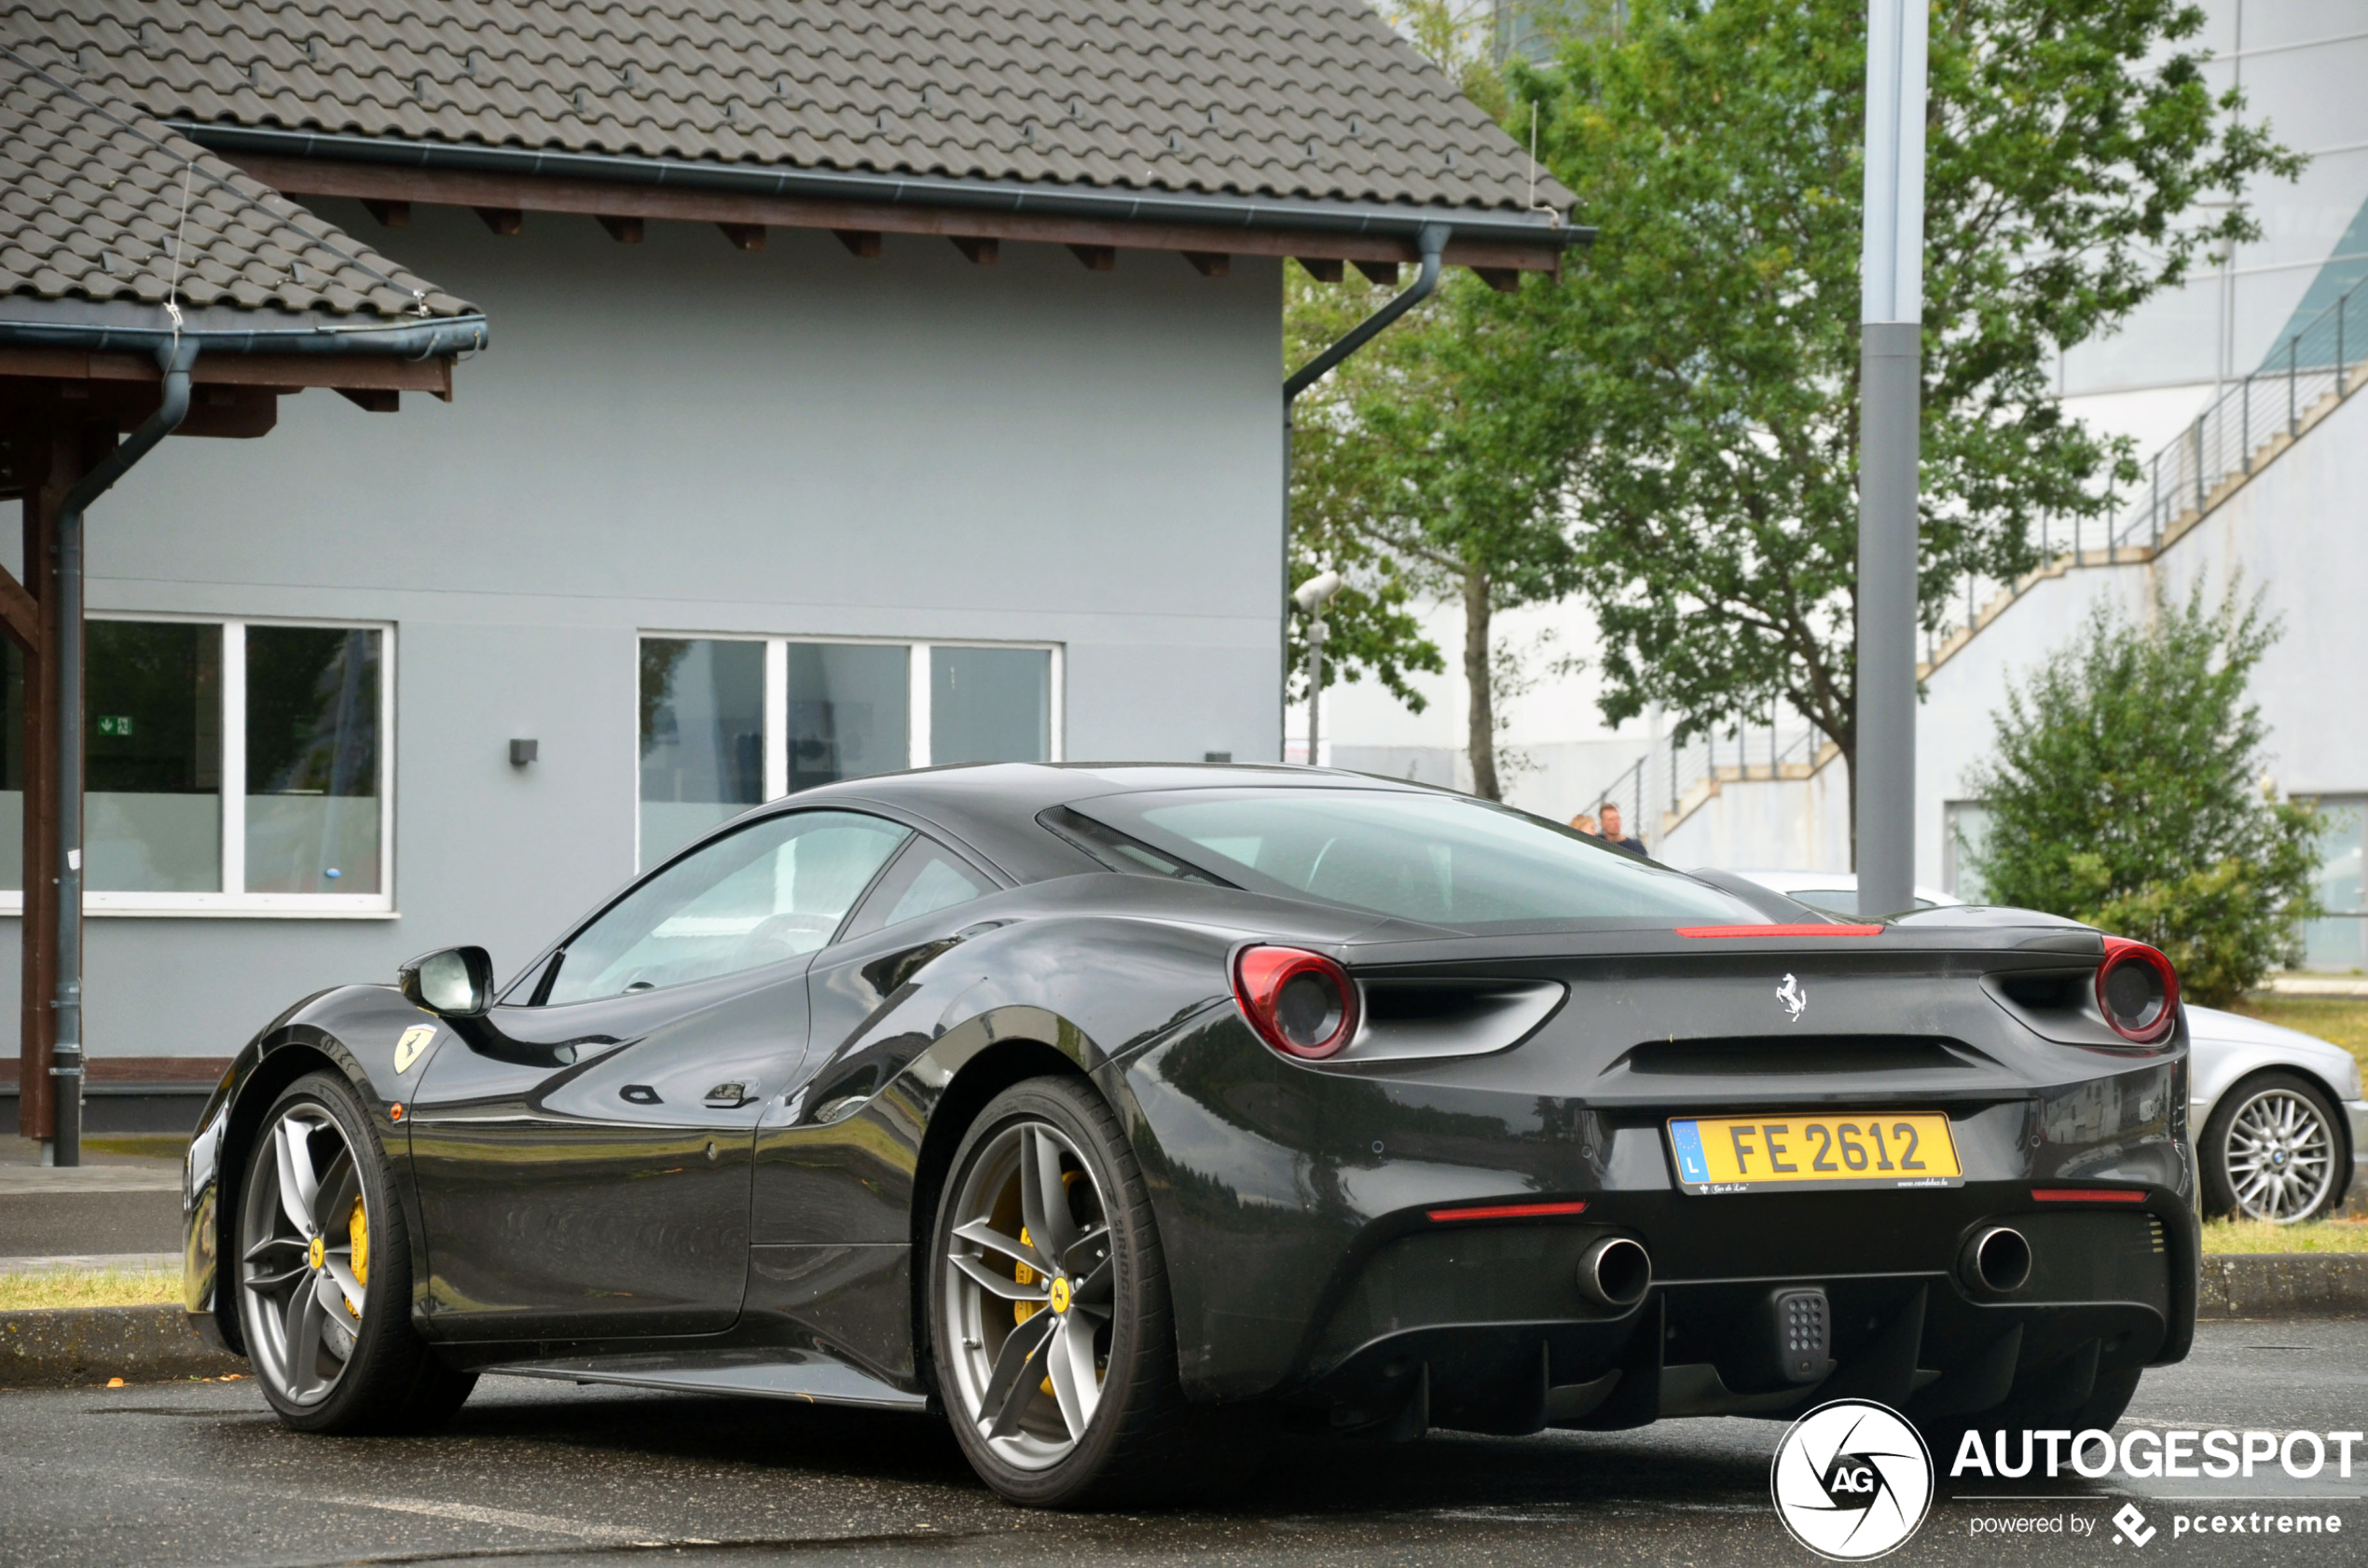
pixel 357 1230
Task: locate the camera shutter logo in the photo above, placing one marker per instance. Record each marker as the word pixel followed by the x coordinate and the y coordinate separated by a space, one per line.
pixel 1851 1480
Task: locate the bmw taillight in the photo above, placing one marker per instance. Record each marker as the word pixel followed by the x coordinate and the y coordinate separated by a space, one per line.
pixel 2137 991
pixel 1301 1003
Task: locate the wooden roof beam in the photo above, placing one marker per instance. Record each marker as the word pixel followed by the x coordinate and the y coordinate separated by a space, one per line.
pixel 464 187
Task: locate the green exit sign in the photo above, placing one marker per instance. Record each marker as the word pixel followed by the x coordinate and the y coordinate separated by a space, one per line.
pixel 114 723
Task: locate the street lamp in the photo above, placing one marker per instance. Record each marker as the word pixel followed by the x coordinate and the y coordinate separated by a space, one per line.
pixel 1310 598
pixel 1890 385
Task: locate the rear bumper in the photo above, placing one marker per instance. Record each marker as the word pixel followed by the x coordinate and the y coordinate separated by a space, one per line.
pixel 1481 1326
pixel 1278 1187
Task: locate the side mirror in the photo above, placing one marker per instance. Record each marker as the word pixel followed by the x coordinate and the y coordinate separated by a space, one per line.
pixel 452 982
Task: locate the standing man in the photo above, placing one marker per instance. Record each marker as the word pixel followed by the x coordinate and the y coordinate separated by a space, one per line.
pixel 1613 835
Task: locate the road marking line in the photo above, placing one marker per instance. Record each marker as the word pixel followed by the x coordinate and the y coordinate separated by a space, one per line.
pixel 509 1518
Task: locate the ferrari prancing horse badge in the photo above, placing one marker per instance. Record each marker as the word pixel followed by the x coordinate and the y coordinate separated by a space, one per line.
pixel 415 1041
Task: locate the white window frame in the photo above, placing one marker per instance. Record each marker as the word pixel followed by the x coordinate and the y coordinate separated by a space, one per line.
pixel 775 784
pixel 234 901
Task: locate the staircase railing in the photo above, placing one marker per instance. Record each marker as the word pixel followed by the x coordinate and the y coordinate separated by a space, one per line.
pixel 2320 364
pixel 2314 364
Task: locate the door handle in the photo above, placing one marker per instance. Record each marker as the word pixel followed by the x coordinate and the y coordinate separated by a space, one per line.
pixel 641 1095
pixel 728 1096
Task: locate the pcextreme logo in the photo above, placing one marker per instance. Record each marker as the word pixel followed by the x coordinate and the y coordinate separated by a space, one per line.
pixel 1851 1480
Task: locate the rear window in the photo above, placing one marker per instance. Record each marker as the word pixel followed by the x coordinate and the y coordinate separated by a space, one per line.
pixel 1441 859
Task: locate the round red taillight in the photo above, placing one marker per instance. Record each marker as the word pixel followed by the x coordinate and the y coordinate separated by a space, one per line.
pixel 2137 991
pixel 1301 1003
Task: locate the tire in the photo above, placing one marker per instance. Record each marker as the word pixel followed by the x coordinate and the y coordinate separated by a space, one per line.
pixel 1108 1306
pixel 2274 1150
pixel 301 1260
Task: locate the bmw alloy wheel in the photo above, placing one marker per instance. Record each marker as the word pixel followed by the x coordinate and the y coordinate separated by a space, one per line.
pixel 304 1271
pixel 2280 1156
pixel 1029 1296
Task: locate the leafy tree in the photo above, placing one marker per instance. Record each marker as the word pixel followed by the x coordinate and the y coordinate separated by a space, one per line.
pixel 2124 795
pixel 1716 144
pixel 1434 462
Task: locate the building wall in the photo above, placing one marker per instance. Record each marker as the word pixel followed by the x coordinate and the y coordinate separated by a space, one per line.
pixel 2293 535
pixel 681 437
pixel 1792 824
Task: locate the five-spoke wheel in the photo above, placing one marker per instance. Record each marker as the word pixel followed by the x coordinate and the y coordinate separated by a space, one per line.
pixel 323 1273
pixel 304 1268
pixel 1050 1330
pixel 1028 1290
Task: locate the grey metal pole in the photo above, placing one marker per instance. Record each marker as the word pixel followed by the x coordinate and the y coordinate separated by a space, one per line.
pixel 66 1056
pixel 1891 352
pixel 1315 634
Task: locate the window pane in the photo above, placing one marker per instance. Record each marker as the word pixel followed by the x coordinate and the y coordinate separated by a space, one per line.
pixel 849 712
pixel 772 890
pixel 2340 942
pixel 926 878
pixel 702 737
pixel 152 718
pixel 1966 827
pixel 312 760
pixel 1444 859
pixel 990 705
pixel 12 766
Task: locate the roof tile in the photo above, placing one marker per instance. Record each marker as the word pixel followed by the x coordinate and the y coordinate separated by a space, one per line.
pixel 978 88
pixel 106 204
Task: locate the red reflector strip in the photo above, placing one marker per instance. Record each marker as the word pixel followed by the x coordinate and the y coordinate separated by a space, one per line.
pixel 1780 930
pixel 1508 1211
pixel 2084 1195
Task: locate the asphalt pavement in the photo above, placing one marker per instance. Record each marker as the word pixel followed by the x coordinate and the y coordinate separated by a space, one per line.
pixel 111 1206
pixel 539 1473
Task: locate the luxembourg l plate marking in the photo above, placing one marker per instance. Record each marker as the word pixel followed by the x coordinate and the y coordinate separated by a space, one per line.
pixel 1795 1000
pixel 406 1049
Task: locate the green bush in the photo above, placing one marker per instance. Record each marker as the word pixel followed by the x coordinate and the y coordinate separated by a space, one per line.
pixel 2127 792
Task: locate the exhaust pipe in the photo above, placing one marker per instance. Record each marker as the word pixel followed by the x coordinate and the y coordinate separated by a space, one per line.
pixel 1615 1272
pixel 1995 1263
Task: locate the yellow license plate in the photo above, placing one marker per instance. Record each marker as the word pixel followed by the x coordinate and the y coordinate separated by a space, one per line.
pixel 1754 1154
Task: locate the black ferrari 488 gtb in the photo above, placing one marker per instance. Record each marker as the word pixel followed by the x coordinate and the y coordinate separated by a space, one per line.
pixel 1087 1105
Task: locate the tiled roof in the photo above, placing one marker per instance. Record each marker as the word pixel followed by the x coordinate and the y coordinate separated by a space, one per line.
pixel 1314 99
pixel 92 207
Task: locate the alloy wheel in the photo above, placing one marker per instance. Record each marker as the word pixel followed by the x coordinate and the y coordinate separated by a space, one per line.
pixel 304 1265
pixel 2280 1156
pixel 1029 1295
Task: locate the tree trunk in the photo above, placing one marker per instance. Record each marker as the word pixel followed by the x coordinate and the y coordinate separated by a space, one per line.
pixel 1480 735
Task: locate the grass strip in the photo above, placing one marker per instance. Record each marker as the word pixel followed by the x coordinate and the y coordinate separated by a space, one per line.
pixel 46 1288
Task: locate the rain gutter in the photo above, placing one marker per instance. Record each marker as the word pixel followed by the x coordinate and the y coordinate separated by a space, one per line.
pixel 65 1052
pixel 176 352
pixel 1432 243
pixel 410 340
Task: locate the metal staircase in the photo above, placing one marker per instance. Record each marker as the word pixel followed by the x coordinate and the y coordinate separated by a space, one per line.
pixel 2249 427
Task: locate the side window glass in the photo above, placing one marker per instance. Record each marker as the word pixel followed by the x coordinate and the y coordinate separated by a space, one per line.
pixel 772 890
pixel 926 878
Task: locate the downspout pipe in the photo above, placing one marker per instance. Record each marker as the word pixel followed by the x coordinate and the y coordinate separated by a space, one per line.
pixel 65 1061
pixel 1431 244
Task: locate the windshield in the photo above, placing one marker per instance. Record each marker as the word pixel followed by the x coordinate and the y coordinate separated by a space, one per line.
pixel 1442 860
